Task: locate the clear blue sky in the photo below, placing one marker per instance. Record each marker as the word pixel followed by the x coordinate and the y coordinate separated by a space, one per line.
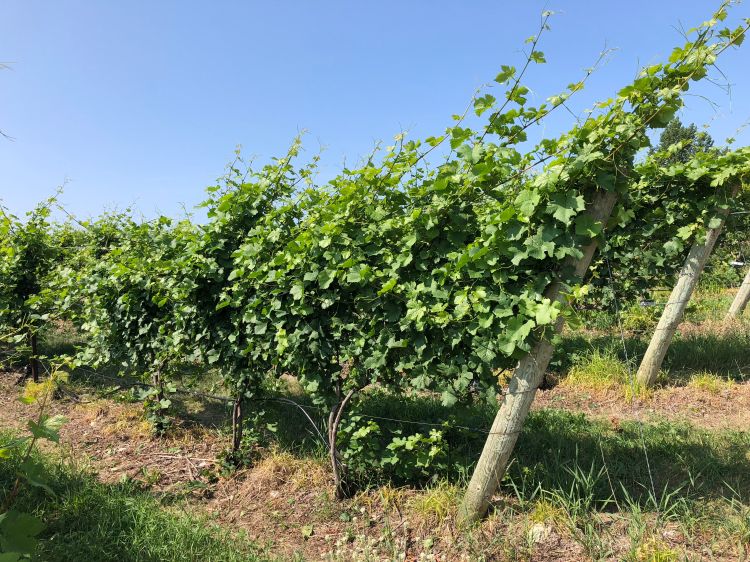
pixel 143 102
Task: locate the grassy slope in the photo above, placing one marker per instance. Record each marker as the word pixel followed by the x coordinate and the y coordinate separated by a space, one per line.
pixel 87 520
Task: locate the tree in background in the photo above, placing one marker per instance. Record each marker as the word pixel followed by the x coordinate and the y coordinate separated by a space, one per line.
pixel 687 142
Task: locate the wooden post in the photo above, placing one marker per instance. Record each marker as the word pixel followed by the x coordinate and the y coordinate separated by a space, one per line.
pixel 741 298
pixel 527 377
pixel 237 421
pixel 32 367
pixel 157 383
pixel 677 303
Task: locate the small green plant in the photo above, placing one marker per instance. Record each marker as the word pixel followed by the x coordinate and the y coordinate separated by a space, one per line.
pixel 256 433
pixel 405 457
pixel 640 317
pixel 18 530
pixel 718 275
pixel 157 406
pixel 654 550
pixel 544 511
pixel 437 501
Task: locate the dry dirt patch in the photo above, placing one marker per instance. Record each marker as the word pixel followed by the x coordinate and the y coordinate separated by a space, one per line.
pixel 728 408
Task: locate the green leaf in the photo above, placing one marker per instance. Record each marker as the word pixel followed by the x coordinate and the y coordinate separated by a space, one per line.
pixel 297 291
pixel 506 73
pixel 388 286
pixel 519 328
pixel 448 398
pixel 546 313
pixel 537 57
pixel 564 206
pixel 18 532
pixel 326 277
pixel 353 276
pixel 484 103
pixel 527 200
pixel 35 475
pixel 48 428
pixel 587 226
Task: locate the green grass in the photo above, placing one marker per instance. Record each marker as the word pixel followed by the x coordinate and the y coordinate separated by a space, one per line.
pixel 724 354
pixel 599 369
pixel 86 520
pixel 709 382
pixel 555 443
pixel 721 352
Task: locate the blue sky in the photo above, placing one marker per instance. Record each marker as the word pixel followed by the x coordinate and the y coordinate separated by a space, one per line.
pixel 142 103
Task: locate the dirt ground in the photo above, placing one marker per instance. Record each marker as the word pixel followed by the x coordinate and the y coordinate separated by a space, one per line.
pixel 727 408
pixel 286 503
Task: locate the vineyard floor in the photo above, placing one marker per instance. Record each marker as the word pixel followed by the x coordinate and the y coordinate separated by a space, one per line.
pixel 284 503
pixel 712 408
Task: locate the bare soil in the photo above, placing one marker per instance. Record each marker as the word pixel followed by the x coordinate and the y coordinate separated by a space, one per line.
pixel 727 408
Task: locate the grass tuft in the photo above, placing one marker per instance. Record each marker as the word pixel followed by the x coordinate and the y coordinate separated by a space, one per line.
pixel 709 382
pixel 599 370
pixel 655 550
pixel 436 502
pixel 603 370
pixel 544 511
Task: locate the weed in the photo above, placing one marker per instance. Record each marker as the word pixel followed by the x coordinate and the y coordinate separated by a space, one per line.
pixel 640 318
pixel 655 550
pixel 544 511
pixel 709 382
pixel 151 477
pixel 600 369
pixel 436 502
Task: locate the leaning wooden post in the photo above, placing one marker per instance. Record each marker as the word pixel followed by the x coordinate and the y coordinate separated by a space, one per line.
pixel 677 303
pixel 741 298
pixel 527 377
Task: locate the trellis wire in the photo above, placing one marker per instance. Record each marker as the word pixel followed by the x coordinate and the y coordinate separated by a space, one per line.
pixel 288 401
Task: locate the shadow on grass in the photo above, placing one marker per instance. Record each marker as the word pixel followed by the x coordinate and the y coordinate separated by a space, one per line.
pixel 556 447
pixel 553 449
pixel 630 460
pixel 725 353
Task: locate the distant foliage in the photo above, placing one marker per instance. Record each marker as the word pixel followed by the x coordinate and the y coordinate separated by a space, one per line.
pixel 679 144
pixel 667 209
